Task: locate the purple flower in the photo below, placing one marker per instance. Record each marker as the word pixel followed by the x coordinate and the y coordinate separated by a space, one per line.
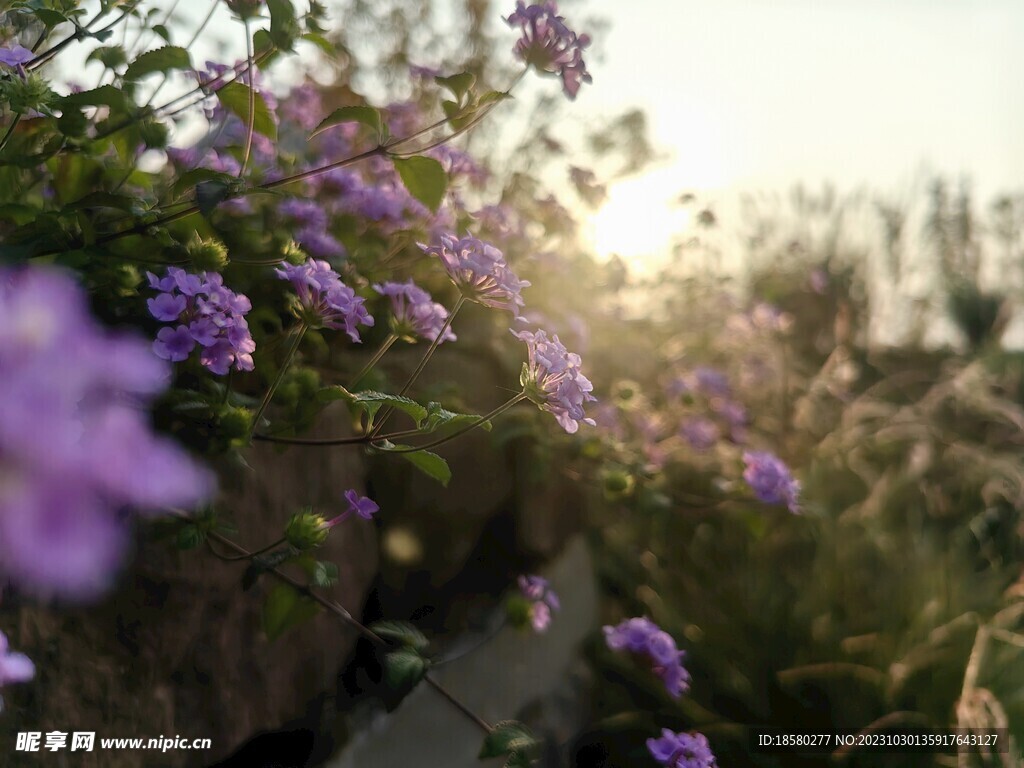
pixel 14 667
pixel 711 382
pixel 700 432
pixel 414 311
pixel 319 243
pixel 323 300
pixel 16 56
pixel 76 448
pixel 553 380
pixel 306 213
pixel 771 480
pixel 642 637
pixel 681 750
pixel 549 45
pixel 209 315
pixel 357 505
pixel 480 271
pixel 542 599
pixel 303 106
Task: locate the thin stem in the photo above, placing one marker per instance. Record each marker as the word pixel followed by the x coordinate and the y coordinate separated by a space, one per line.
pixel 468 428
pixel 388 342
pixel 423 362
pixel 191 42
pixel 252 100
pixel 78 35
pixel 342 613
pixel 327 441
pixel 280 376
pixel 10 130
pixel 251 555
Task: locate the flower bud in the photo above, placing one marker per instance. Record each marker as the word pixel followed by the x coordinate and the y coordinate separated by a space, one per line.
pixel 207 255
pixel 235 422
pixel 306 531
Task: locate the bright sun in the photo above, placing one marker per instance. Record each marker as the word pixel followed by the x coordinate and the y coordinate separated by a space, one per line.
pixel 640 219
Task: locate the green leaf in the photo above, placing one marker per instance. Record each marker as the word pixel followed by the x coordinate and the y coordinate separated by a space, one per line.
pixel 429 463
pixel 324 574
pixel 105 95
pixel 401 633
pixel 403 668
pixel 458 84
pixel 162 31
pixel 110 56
pixel 190 536
pixel 438 417
pixel 190 179
pixel 263 563
pixel 286 608
pixel 425 179
pixel 371 402
pixel 283 24
pixel 511 738
pixel 321 42
pixel 159 60
pixel 367 116
pixel 235 98
pixel 210 194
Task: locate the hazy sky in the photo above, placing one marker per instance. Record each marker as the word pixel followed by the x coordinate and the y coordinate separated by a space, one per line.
pixel 760 94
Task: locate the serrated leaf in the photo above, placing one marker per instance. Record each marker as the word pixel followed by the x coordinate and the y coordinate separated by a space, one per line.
pixel 508 737
pixel 371 402
pixel 105 95
pixel 159 60
pixel 367 116
pixel 235 98
pixel 439 417
pixel 425 179
pixel 401 633
pixel 458 84
pixel 403 668
pixel 286 608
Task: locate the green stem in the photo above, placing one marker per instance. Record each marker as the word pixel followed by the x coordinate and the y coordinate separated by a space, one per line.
pixel 10 130
pixel 277 379
pixel 422 364
pixel 388 342
pixel 468 428
pixel 327 441
pixel 252 100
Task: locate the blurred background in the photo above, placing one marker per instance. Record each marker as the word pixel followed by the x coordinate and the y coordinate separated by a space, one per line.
pixel 791 226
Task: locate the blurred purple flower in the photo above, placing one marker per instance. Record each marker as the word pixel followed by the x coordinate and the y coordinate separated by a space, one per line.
pixel 76 448
pixel 700 432
pixel 303 106
pixel 415 313
pixel 553 380
pixel 14 667
pixel 549 45
pixel 642 637
pixel 681 750
pixel 542 599
pixel 771 480
pixel 323 300
pixel 208 313
pixel 480 271
pixel 320 244
pixel 304 212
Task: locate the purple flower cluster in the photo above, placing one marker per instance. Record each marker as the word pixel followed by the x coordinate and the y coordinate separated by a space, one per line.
pixel 480 271
pixel 361 506
pixel 14 667
pixel 643 637
pixel 76 447
pixel 681 750
pixel 415 313
pixel 207 314
pixel 549 45
pixel 542 600
pixel 700 432
pixel 323 300
pixel 771 480
pixel 553 380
